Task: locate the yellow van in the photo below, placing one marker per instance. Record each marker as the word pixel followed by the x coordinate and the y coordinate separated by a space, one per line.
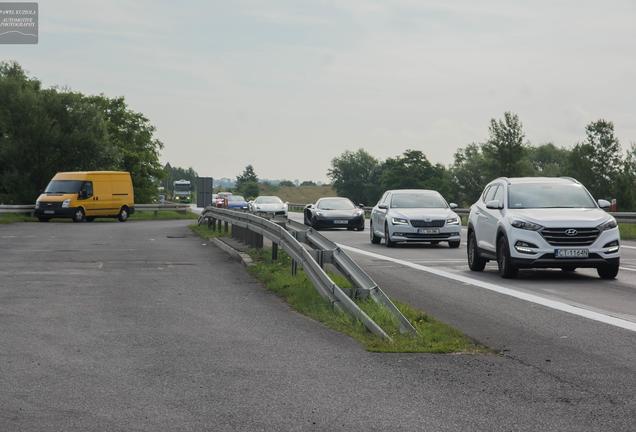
pixel 85 195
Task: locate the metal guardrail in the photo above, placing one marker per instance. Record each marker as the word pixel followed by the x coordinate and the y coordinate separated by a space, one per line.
pixel 623 217
pixel 293 237
pixel 141 207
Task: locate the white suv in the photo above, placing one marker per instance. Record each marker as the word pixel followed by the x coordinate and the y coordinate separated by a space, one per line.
pixel 542 222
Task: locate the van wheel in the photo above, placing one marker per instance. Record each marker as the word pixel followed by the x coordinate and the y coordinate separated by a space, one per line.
pixel 79 215
pixel 123 214
pixel 90 218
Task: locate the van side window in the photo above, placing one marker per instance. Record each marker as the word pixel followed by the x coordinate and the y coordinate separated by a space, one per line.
pixel 87 189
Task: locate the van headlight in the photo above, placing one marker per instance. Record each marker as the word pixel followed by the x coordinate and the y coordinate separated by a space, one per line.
pixel 66 203
pixel 400 221
pixel 610 224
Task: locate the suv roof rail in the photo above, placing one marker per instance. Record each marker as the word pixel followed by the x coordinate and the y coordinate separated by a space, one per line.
pixel 503 178
pixel 571 178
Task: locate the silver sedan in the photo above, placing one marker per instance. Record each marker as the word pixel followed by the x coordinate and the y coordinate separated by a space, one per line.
pixel 415 215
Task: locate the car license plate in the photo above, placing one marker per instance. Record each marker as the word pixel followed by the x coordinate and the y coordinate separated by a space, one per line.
pixel 427 231
pixel 571 253
pixel 49 211
pixel 341 221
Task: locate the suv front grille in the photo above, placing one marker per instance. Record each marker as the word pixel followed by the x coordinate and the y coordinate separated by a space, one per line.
pixel 559 236
pixel 437 223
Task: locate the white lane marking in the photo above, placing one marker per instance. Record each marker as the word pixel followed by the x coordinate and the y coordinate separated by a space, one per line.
pixel 553 304
pixel 628 247
pixel 628 269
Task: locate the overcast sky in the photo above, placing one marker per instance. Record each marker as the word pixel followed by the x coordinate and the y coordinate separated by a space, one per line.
pixel 288 85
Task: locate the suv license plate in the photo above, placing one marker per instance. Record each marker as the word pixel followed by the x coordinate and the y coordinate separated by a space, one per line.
pixel 427 231
pixel 49 211
pixel 571 253
pixel 341 221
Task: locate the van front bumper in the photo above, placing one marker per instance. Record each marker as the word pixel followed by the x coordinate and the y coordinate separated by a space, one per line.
pixel 58 212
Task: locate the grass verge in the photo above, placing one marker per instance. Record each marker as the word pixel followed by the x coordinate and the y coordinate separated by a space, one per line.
pixel 628 231
pixel 8 218
pixel 203 231
pixel 433 336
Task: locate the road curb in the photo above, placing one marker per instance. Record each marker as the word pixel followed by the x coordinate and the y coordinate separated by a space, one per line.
pixel 236 254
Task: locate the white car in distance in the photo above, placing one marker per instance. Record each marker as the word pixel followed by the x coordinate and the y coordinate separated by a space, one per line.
pixel 415 215
pixel 269 206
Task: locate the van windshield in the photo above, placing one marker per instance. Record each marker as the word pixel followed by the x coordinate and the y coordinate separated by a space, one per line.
pixel 64 187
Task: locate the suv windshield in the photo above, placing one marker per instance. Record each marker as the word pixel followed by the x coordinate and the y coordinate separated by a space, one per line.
pixel 64 187
pixel 417 200
pixel 267 200
pixel 335 204
pixel 548 195
pixel 234 198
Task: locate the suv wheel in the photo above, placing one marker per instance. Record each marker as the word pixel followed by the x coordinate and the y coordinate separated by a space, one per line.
pixel 454 244
pixel 608 271
pixel 374 238
pixel 475 262
pixel 506 268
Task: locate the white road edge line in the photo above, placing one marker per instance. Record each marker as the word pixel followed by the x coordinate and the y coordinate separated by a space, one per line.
pixel 628 247
pixel 553 304
pixel 628 269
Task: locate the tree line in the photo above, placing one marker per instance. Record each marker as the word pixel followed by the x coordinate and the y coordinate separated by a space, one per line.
pixel 47 130
pixel 597 161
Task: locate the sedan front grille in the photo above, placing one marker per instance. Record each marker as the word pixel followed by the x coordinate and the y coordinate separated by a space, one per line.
pixel 570 236
pixel 436 223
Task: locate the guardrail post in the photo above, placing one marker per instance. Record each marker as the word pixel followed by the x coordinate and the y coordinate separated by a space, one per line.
pixel 274 251
pixel 225 227
pixel 294 267
pixel 218 225
pixel 209 223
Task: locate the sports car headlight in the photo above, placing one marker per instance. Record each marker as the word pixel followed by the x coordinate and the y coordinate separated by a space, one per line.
pixel 452 221
pixel 66 203
pixel 318 213
pixel 608 225
pixel 521 224
pixel 400 221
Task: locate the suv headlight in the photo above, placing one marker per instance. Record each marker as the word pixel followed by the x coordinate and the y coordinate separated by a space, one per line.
pixel 521 224
pixel 400 221
pixel 66 203
pixel 610 224
pixel 37 204
pixel 452 220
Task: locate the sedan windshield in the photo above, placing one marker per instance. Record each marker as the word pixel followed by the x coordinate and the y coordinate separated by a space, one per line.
pixel 63 186
pixel 335 204
pixel 548 195
pixel 417 200
pixel 268 200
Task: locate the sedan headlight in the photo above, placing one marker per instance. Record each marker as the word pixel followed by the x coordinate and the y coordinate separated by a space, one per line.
pixel 400 221
pixel 66 203
pixel 452 221
pixel 521 224
pixel 608 225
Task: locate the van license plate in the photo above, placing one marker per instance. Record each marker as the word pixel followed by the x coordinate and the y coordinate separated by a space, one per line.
pixel 571 253
pixel 49 211
pixel 341 221
pixel 427 231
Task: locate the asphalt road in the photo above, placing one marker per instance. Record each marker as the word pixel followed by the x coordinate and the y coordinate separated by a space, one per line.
pixel 142 326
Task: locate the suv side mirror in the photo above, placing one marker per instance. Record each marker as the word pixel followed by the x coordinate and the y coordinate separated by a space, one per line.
pixel 604 204
pixel 453 205
pixel 494 205
pixel 383 207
